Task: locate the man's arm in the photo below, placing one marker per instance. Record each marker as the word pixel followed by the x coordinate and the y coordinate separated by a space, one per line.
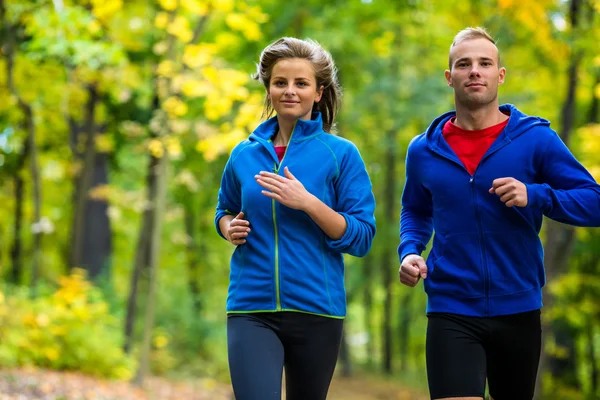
pixel 567 192
pixel 416 217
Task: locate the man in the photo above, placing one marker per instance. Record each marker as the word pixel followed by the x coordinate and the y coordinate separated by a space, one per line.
pixel 482 177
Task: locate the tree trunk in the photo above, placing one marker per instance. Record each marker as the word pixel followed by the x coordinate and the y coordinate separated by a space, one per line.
pixel 141 254
pixel 87 213
pixel 404 329
pixel 591 356
pixel 16 251
pixel 560 239
pixel 193 250
pixel 367 274
pixel 388 254
pixel 37 196
pixel 158 206
pixel 9 52
pixel 344 357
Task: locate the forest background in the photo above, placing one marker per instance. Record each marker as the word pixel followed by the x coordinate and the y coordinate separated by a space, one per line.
pixel 116 120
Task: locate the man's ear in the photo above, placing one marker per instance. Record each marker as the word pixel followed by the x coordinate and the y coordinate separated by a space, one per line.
pixel 501 76
pixel 448 76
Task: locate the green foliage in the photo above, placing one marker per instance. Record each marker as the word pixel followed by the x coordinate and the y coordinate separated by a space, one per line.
pixel 69 329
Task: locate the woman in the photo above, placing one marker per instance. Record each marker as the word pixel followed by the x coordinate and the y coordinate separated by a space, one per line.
pixel 293 199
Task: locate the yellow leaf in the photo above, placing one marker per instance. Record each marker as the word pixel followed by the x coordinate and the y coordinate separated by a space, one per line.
pixel 195 56
pixel 597 91
pixel 106 9
pixel 225 41
pixel 94 27
pixel 168 5
pixel 162 20
pixel 52 354
pixel 156 148
pixel 101 192
pixel 175 107
pixel 256 15
pixel 160 341
pixel 196 88
pixel 173 147
pixel 197 7
pixel 166 69
pixel 223 5
pixel 180 28
pixel 236 21
pixel 252 31
pixel 104 143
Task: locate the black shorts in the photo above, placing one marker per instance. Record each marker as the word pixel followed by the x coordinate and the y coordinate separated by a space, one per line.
pixel 463 351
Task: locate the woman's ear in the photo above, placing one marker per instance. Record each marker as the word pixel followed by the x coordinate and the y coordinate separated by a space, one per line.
pixel 319 94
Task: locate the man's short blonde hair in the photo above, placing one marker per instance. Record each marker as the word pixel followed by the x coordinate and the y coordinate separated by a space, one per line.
pixel 471 33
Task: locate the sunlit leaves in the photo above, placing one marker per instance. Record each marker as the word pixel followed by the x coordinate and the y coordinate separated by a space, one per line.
pixel 382 46
pixel 196 7
pixel 73 36
pixel 195 56
pixel 180 28
pixel 168 5
pixel 106 9
pixel 243 23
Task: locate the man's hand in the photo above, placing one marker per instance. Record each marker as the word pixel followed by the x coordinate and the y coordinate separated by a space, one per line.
pixel 238 230
pixel 511 191
pixel 412 269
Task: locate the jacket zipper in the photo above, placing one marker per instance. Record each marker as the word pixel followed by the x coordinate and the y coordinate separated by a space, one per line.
pixel 482 247
pixel 486 280
pixel 276 169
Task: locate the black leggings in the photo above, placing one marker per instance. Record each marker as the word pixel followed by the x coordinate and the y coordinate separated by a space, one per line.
pixel 260 345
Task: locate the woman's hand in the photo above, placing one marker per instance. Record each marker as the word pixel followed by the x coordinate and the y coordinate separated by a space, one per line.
pixel 238 230
pixel 287 190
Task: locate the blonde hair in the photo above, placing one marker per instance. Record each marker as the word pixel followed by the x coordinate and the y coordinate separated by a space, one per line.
pixel 323 65
pixel 471 33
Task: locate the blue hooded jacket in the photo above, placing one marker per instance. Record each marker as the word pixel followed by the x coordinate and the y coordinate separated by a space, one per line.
pixel 487 258
pixel 288 263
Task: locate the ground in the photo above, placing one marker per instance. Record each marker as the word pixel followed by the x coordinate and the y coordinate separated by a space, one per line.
pixel 26 384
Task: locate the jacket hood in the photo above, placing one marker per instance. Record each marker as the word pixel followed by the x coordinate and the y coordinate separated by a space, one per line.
pixel 518 124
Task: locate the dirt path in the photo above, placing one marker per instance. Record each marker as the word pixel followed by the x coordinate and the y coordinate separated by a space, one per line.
pixel 29 384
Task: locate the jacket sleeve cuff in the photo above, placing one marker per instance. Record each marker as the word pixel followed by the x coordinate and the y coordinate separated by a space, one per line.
pixel 220 214
pixel 407 248
pixel 355 241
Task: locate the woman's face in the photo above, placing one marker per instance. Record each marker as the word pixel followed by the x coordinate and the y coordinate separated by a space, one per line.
pixel 293 88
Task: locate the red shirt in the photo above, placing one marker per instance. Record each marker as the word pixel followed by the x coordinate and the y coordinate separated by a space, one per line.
pixel 280 150
pixel 470 146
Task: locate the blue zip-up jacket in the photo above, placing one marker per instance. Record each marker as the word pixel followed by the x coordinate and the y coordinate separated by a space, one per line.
pixel 487 258
pixel 287 262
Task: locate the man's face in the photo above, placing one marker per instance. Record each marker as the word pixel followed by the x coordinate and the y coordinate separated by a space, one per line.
pixel 475 73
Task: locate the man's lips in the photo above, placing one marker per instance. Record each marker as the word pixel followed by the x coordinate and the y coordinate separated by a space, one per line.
pixel 475 85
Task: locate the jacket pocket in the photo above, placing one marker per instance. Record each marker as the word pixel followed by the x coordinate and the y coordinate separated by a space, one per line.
pixel 455 266
pixel 515 262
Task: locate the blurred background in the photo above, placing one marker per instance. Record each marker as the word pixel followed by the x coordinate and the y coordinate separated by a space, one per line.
pixel 117 118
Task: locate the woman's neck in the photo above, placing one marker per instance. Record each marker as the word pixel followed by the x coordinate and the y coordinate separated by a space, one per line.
pixel 282 137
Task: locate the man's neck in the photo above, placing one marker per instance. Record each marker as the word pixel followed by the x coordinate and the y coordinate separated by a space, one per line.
pixel 479 118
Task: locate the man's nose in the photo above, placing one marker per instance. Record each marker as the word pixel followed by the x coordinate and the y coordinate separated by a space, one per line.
pixel 474 70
